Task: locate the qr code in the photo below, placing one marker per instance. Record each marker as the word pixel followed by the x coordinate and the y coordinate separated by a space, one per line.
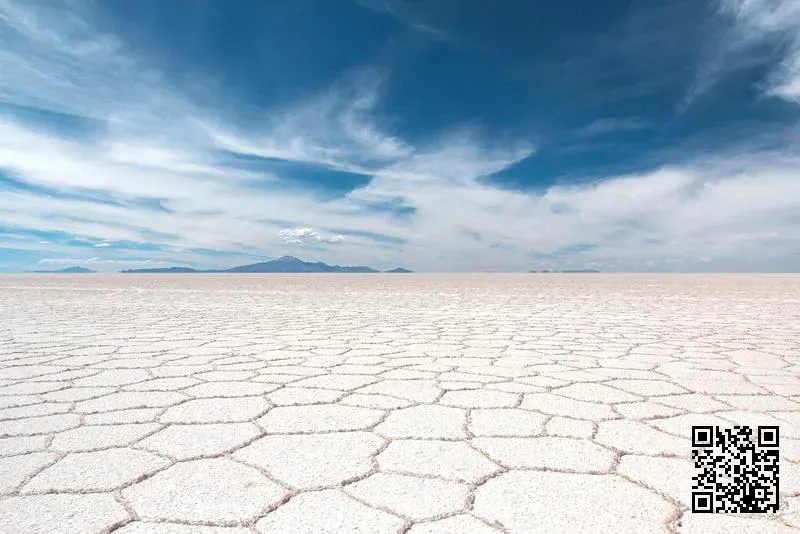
pixel 735 471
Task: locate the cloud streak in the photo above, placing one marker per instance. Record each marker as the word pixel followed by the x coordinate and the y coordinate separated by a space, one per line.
pixel 754 32
pixel 607 126
pixel 776 21
pixel 409 14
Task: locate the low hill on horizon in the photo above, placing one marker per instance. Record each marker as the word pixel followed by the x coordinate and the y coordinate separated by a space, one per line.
pixel 165 270
pixel 67 270
pixel 285 264
pixel 573 271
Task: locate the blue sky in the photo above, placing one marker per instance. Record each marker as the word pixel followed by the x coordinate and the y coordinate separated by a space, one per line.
pixel 434 134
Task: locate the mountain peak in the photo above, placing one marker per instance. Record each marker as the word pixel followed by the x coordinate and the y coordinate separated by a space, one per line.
pixel 289 259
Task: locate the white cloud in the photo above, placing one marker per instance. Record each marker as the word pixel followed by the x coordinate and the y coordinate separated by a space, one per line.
pixel 303 235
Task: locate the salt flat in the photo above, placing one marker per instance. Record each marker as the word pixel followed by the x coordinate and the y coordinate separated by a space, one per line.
pixel 386 403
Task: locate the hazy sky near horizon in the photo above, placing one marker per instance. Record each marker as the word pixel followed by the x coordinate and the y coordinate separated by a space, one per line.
pixel 438 135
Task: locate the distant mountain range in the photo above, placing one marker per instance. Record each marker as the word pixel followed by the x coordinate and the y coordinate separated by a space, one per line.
pixel 68 270
pixel 286 264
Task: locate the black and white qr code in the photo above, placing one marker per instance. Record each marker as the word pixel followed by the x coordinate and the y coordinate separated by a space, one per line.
pixel 736 469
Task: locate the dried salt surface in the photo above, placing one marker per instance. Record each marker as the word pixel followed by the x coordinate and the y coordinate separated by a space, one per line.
pixel 378 403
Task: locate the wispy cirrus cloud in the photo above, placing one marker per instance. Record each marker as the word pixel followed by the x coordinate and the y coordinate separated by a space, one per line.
pixel 337 128
pixel 757 22
pixel 409 13
pixel 752 33
pixel 612 125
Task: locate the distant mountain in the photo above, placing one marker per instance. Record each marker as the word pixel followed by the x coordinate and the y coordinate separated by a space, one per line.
pixel 286 264
pixel 68 270
pixel 290 264
pixel 398 270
